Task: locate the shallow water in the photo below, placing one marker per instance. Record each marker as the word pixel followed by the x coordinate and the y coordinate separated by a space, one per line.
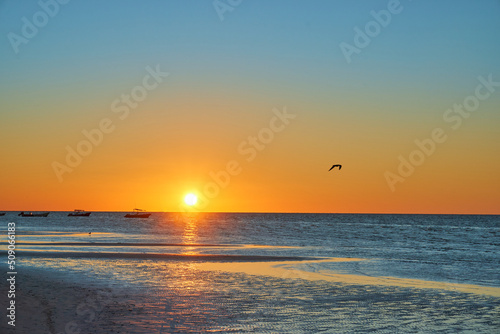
pixel 448 248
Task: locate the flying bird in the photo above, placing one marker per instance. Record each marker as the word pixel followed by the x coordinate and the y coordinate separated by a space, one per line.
pixel 339 166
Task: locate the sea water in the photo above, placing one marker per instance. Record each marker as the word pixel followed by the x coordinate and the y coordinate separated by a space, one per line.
pixel 323 272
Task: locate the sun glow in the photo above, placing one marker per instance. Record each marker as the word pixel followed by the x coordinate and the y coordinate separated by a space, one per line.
pixel 190 199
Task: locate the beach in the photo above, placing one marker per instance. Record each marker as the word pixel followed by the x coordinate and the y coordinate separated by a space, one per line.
pixel 194 300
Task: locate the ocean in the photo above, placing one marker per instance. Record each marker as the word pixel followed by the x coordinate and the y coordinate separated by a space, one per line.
pixel 273 273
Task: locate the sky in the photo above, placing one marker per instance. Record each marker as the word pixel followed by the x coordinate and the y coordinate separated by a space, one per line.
pixel 108 106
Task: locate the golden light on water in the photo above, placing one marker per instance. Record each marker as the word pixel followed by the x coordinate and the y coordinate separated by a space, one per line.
pixel 190 234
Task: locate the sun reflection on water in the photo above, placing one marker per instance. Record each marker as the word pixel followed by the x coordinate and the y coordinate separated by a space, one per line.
pixel 190 232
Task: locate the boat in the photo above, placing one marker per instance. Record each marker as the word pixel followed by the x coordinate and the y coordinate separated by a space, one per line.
pixel 31 214
pixel 138 213
pixel 79 213
pixel 2 213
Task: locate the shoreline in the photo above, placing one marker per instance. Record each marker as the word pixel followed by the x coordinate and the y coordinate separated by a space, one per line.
pixel 194 297
pixel 274 266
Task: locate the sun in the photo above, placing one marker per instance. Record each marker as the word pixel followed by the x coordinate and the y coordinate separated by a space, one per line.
pixel 190 199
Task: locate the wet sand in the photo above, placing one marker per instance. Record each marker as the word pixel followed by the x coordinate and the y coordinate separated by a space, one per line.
pixel 290 269
pixel 276 266
pixel 237 297
pixel 163 256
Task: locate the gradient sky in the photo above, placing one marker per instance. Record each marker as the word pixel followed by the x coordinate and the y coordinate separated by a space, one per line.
pixel 225 78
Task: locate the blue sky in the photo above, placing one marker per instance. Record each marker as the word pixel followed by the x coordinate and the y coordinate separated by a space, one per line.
pixel 452 38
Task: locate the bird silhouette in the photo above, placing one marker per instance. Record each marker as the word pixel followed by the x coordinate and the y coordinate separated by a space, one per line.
pixel 339 166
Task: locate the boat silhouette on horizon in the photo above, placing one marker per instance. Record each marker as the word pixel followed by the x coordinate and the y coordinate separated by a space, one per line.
pixel 31 214
pixel 79 213
pixel 138 213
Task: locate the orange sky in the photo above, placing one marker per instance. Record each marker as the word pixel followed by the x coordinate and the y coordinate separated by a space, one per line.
pixel 153 165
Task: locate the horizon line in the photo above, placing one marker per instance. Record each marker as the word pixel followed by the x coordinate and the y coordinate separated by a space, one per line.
pixel 269 212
